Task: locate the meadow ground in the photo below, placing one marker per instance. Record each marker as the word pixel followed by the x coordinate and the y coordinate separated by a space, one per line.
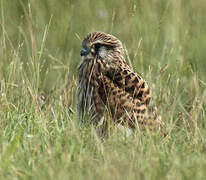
pixel 39 54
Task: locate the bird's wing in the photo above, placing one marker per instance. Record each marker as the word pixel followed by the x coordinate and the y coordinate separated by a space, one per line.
pixel 125 94
pixel 130 82
pixel 122 106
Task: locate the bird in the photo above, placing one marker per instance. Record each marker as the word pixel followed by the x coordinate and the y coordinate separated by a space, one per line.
pixel 107 85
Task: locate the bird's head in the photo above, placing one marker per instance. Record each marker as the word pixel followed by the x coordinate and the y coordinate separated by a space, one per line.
pixel 101 45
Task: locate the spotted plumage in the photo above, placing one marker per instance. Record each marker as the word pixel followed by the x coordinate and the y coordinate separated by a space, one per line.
pixel 107 84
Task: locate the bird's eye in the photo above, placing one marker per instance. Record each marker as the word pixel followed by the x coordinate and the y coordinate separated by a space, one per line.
pixel 92 50
pixel 97 46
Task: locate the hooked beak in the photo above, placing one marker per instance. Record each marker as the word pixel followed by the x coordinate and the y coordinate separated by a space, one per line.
pixel 84 52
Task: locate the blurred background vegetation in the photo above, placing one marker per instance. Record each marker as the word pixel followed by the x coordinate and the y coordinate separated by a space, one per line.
pixel 40 42
pixel 154 32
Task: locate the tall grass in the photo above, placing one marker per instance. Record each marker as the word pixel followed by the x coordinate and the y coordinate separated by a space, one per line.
pixel 39 53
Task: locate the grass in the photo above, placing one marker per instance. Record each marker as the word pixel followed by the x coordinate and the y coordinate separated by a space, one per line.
pixel 39 53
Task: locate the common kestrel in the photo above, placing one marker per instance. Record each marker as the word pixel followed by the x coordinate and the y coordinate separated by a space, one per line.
pixel 107 84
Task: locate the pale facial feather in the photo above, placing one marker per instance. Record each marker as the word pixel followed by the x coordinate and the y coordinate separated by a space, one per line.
pixel 103 52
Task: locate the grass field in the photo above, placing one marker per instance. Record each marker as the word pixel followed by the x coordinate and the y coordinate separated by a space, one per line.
pixel 39 54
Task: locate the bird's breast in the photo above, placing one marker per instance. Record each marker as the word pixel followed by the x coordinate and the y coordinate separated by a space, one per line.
pixel 85 88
